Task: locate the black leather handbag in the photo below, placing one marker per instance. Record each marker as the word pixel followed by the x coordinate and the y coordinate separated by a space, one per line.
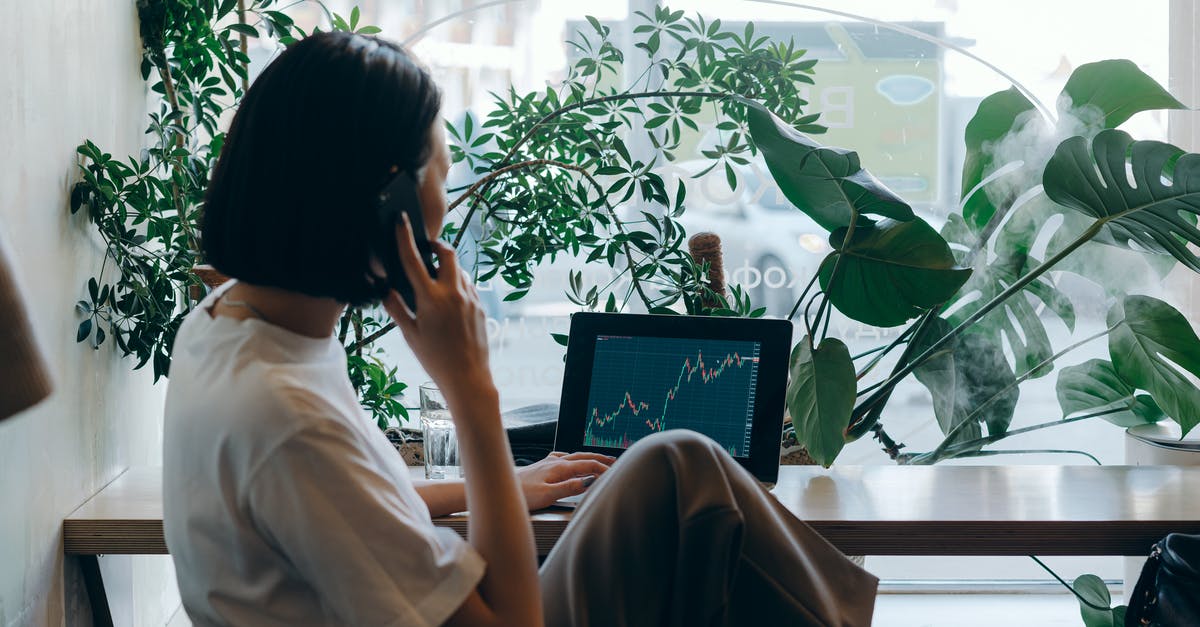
pixel 1167 593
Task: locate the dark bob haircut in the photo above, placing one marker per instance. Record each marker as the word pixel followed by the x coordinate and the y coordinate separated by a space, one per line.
pixel 292 198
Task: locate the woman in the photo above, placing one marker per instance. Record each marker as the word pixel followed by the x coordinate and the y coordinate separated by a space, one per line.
pixel 284 505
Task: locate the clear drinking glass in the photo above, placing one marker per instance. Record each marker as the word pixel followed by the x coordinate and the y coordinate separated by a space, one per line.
pixel 441 441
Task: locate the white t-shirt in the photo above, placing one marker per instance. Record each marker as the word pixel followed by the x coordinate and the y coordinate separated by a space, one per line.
pixel 283 502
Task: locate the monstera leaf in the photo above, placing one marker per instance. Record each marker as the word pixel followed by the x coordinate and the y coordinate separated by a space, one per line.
pixel 1094 386
pixel 1054 227
pixel 820 396
pixel 996 116
pixel 964 374
pixel 890 272
pixel 1115 269
pixel 1097 96
pixel 829 184
pixel 1155 211
pixel 1116 89
pixel 1091 589
pixel 1018 319
pixel 1151 345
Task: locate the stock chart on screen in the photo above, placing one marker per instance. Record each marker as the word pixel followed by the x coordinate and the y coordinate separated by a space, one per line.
pixel 642 385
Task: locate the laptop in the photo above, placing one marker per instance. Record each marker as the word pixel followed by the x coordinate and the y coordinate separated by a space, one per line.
pixel 630 375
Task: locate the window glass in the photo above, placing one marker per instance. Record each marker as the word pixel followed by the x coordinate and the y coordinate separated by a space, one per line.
pixel 897 82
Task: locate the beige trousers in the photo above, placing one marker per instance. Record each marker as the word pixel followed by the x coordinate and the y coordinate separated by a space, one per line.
pixel 677 533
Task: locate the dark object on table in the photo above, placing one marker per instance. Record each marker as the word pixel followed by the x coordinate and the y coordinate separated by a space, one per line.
pixel 22 369
pixel 530 435
pixel 1167 593
pixel 531 432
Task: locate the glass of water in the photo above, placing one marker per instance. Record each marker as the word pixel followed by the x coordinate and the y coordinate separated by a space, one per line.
pixel 441 441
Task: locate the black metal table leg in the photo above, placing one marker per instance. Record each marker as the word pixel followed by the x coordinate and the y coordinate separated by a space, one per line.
pixel 92 580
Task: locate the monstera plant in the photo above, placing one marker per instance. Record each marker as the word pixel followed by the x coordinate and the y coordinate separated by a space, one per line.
pixel 1100 199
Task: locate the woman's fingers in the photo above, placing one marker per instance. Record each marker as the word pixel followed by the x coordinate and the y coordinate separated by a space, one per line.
pixel 410 259
pixel 576 468
pixel 607 459
pixel 447 263
pixel 399 311
pixel 571 487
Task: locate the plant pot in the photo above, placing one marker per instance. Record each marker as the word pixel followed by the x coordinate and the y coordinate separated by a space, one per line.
pixel 409 443
pixel 1157 445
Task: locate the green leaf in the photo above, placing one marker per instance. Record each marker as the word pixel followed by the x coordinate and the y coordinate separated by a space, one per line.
pixel 1092 589
pixel 829 184
pixel 1154 213
pixel 1118 271
pixel 820 397
pixel 1150 344
pixel 85 329
pixel 1017 318
pixel 560 338
pixel 1094 386
pixel 244 29
pixel 996 116
pixel 890 272
pixel 1117 88
pixel 962 376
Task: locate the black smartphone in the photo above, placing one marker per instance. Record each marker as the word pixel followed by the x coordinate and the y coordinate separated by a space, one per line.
pixel 400 198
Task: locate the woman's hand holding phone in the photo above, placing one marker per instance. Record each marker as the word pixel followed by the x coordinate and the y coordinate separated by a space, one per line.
pixel 448 335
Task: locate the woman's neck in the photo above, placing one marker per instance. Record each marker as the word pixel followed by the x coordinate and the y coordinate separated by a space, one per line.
pixel 309 316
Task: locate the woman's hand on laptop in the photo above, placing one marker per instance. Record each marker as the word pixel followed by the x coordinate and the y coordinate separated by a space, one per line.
pixel 560 475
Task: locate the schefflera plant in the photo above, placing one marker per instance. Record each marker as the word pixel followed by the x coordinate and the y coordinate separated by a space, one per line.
pixel 965 293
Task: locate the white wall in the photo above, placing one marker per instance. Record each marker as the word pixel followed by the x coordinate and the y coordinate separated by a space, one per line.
pixel 69 72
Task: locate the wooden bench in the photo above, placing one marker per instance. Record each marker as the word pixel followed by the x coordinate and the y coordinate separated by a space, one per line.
pixel 863 510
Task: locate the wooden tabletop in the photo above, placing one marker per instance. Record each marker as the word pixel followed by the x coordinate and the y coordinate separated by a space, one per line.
pixel 863 510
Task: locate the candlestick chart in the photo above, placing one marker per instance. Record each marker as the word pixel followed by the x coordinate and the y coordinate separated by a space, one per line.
pixel 643 385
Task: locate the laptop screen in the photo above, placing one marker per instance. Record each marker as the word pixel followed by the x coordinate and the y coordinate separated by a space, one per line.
pixel 641 385
pixel 629 376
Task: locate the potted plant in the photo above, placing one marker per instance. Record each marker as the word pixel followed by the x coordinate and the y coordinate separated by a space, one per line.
pixel 967 291
pixel 552 173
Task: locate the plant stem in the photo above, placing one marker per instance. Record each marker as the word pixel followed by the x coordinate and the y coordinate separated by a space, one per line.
pixel 866 414
pixel 1033 451
pixel 971 445
pixel 803 295
pixel 889 445
pixel 1016 287
pixel 164 71
pixel 241 13
pixel 475 190
pixel 1017 381
pixel 1069 587
pixel 885 350
pixel 837 264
